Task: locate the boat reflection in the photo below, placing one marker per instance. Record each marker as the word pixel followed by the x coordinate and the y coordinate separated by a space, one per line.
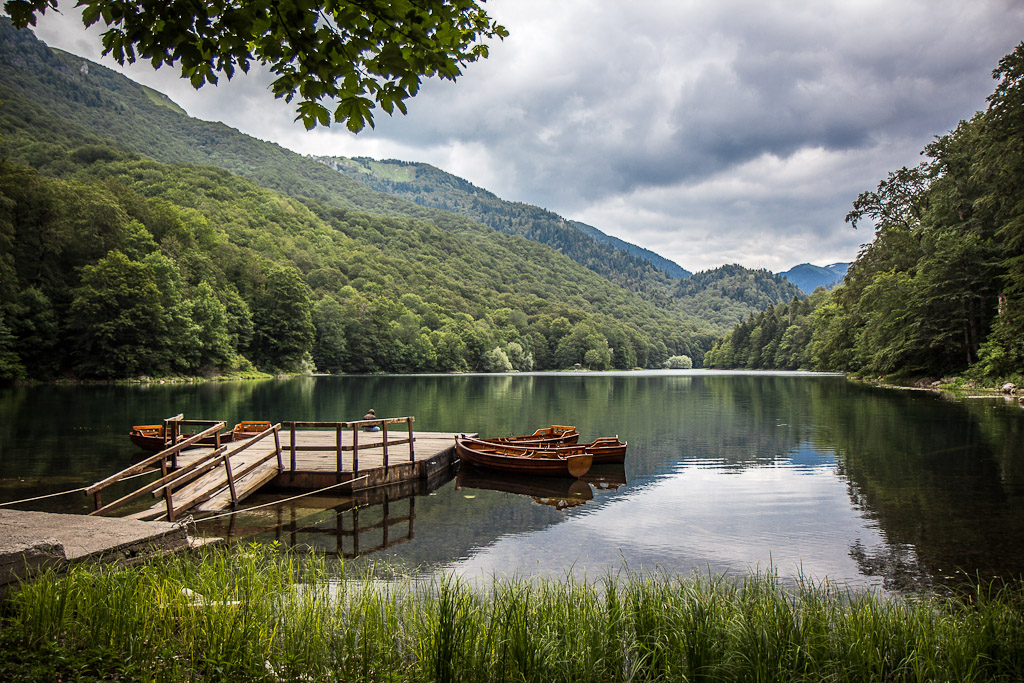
pixel 557 492
pixel 605 478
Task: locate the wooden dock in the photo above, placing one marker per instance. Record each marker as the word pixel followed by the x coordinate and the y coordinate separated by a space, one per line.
pixel 308 456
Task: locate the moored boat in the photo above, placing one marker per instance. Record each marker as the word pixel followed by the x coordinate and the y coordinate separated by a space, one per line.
pixel 607 450
pixel 558 462
pixel 156 438
pixel 555 435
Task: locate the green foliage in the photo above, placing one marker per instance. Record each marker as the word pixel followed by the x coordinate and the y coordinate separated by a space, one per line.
pixel 282 320
pixel 129 318
pixel 377 284
pixel 940 289
pixel 10 363
pixel 251 614
pixel 357 55
pixel 679 363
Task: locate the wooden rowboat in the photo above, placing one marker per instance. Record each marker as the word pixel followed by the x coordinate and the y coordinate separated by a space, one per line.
pixel 154 438
pixel 607 450
pixel 548 462
pixel 555 435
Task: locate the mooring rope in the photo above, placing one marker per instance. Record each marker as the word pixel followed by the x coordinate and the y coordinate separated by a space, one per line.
pixel 284 500
pixel 64 493
pixel 49 495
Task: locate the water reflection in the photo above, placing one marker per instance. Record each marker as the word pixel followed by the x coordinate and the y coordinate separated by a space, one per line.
pixel 558 492
pixel 726 470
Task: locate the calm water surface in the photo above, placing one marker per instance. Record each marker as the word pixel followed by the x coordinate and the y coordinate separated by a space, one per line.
pixel 725 472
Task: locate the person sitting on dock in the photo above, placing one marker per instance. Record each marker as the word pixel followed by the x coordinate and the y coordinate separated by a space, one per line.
pixel 370 415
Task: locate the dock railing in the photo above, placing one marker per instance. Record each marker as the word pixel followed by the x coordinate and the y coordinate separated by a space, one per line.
pixel 172 477
pixel 356 426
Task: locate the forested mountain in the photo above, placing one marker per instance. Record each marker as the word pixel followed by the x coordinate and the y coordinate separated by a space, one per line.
pixel 940 289
pixel 727 294
pixel 808 277
pixel 114 264
pixel 625 264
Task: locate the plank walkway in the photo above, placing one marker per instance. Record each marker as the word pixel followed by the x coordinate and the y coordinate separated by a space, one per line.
pixel 305 468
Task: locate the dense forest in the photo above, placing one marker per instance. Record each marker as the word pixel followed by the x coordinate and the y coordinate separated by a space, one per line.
pixel 186 247
pixel 625 264
pixel 719 298
pixel 113 264
pixel 940 289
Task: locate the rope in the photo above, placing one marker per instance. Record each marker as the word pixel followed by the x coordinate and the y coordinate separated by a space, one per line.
pixel 285 500
pixel 49 495
pixel 64 493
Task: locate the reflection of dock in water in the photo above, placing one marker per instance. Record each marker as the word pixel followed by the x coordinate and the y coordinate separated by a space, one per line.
pixel 369 520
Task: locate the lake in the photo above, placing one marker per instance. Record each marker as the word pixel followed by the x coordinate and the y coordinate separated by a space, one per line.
pixel 726 472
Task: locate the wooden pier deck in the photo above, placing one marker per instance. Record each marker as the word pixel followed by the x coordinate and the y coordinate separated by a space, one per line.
pixel 295 455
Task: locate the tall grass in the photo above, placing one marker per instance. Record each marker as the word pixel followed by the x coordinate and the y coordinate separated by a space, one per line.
pixel 265 616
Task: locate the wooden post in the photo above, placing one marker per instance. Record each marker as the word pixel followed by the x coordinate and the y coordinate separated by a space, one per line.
pixel 355 449
pixel 231 482
pixel 355 532
pixel 277 447
pixel 412 453
pixel 337 436
pixel 168 495
pixel 97 500
pixel 293 445
pixel 174 440
pixel 384 431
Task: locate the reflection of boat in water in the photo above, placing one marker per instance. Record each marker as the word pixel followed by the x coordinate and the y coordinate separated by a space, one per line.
pixel 157 437
pixel 557 462
pixel 555 435
pixel 605 477
pixel 558 492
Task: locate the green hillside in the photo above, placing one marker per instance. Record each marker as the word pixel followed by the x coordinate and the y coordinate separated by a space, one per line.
pixel 115 264
pixel 625 264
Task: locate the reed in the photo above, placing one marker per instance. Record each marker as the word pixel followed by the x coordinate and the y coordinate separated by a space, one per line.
pixel 256 614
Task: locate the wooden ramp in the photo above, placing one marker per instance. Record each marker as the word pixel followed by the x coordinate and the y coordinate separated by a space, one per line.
pixel 215 490
pixel 226 473
pixel 360 454
pixel 216 479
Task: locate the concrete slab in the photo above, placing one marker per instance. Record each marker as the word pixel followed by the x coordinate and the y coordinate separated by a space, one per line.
pixel 33 541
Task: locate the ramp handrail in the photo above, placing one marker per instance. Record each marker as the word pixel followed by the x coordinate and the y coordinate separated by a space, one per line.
pixel 231 476
pixel 161 457
pixel 189 472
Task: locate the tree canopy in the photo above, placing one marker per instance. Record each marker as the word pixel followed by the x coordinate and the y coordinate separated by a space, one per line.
pixel 353 56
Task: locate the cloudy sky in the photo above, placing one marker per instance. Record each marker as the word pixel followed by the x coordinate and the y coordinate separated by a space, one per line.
pixel 725 131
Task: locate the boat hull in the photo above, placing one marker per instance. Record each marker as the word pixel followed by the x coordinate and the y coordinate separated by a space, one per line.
pixel 151 437
pixel 518 460
pixel 555 435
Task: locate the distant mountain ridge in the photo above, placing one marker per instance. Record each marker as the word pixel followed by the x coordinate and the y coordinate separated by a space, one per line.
pixel 626 264
pixel 808 277
pixel 668 266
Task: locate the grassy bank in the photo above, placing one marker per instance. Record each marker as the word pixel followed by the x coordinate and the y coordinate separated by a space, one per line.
pixel 263 616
